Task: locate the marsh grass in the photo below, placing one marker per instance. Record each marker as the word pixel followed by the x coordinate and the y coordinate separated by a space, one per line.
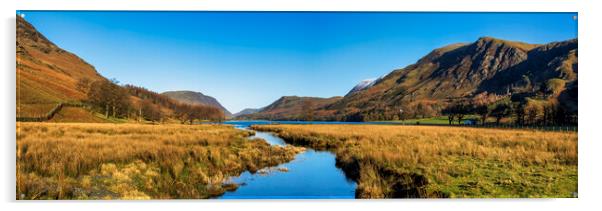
pixel 135 161
pixel 419 161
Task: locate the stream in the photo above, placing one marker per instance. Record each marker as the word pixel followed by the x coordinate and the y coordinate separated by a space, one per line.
pixel 312 174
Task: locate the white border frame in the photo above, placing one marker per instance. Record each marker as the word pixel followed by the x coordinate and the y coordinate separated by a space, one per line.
pixel 589 141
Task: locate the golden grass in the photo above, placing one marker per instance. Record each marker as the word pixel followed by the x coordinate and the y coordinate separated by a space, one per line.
pixel 134 161
pixel 429 161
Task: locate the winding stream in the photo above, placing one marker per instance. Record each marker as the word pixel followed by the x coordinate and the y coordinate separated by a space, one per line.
pixel 312 174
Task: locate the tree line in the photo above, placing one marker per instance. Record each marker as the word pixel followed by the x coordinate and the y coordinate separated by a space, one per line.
pixel 133 102
pixel 543 108
pixel 527 111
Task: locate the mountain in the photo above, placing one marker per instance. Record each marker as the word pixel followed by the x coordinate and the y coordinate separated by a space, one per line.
pixel 47 75
pixel 364 84
pixel 52 83
pixel 462 71
pixel 45 72
pixel 294 108
pixel 191 97
pixel 246 111
pixel 488 69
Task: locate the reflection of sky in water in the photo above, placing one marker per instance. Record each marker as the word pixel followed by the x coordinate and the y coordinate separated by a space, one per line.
pixel 312 174
pixel 271 139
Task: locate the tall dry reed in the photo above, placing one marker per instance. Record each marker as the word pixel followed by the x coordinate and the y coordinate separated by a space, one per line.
pixel 450 161
pixel 134 161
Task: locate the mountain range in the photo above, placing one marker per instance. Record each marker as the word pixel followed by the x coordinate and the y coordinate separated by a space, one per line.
pixel 453 73
pixel 47 74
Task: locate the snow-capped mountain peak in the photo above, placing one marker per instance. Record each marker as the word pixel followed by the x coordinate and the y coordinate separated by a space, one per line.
pixel 364 84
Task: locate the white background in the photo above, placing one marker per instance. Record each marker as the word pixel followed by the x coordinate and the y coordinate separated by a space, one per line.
pixel 590 65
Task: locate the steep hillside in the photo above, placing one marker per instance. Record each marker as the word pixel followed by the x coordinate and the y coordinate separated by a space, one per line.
pixel 294 108
pixel 191 97
pixel 48 75
pixel 45 72
pixel 461 71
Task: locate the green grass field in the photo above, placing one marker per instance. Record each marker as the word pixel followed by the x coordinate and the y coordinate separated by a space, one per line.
pixel 439 120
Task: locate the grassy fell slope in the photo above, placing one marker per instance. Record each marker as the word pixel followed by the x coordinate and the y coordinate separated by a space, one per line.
pixel 45 72
pixel 48 75
pixel 464 70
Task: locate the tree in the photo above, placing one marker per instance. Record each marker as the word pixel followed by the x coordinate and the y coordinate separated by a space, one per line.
pixel 181 112
pixel 189 113
pixel 534 111
pixel 150 111
pixel 450 112
pixel 500 111
pixel 109 98
pixel 484 111
pixel 484 103
pixel 457 111
pixel 519 109
pixel 461 111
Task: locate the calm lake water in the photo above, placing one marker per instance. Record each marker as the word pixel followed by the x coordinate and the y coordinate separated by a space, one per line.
pixel 243 124
pixel 312 174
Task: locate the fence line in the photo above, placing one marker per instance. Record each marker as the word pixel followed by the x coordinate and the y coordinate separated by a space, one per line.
pixel 50 113
pixel 559 128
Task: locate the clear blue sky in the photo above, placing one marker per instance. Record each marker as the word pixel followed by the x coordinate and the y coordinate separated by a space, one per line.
pixel 250 59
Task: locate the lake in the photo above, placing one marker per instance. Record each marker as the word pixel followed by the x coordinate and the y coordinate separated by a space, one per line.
pixel 244 124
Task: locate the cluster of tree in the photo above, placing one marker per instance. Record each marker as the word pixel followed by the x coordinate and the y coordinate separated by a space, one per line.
pixel 544 112
pixel 189 113
pixel 113 100
pixel 150 111
pixel 151 97
pixel 382 112
pixel 525 112
pixel 108 97
pixel 420 109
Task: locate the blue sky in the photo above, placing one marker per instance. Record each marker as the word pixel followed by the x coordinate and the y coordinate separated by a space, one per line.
pixel 250 59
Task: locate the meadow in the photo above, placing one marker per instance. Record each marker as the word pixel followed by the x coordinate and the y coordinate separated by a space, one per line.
pixel 136 161
pixel 437 161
